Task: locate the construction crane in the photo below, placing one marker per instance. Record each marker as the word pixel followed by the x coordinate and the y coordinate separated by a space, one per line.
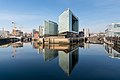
pixel 15 27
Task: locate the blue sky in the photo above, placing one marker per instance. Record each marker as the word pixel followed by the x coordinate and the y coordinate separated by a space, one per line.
pixel 93 14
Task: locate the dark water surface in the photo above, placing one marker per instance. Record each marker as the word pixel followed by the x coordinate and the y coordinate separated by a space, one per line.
pixel 26 61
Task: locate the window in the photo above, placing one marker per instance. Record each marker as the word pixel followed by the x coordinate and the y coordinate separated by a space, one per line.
pixel 116 25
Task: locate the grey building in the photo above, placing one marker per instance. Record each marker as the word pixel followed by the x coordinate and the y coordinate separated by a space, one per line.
pixel 1 33
pixel 4 34
pixel 41 30
pixel 50 28
pixel 86 32
pixel 33 32
pixel 81 34
pixel 113 30
pixel 68 22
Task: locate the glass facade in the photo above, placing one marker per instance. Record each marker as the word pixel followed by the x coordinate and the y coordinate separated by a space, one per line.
pixel 68 22
pixel 50 28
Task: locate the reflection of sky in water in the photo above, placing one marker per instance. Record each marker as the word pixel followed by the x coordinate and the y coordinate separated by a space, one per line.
pixel 84 63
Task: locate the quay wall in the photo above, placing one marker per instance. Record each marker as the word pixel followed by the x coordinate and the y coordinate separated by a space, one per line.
pixel 8 40
pixel 61 40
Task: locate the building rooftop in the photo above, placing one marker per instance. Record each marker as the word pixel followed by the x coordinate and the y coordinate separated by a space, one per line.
pixel 68 9
pixel 50 21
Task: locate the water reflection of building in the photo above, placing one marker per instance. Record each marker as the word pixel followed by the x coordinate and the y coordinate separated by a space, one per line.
pixel 35 45
pixel 67 61
pixel 4 46
pixel 49 54
pixel 86 45
pixel 58 47
pixel 68 54
pixel 112 51
pixel 15 46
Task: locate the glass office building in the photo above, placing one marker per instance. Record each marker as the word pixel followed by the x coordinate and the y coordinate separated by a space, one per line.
pixel 50 28
pixel 68 22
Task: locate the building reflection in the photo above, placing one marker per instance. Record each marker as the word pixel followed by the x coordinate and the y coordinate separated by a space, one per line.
pixel 49 54
pixel 68 54
pixel 15 46
pixel 86 45
pixel 67 61
pixel 35 45
pixel 4 46
pixel 113 51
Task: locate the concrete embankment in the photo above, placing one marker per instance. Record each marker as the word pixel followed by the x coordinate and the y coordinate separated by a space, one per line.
pixel 52 40
pixel 108 42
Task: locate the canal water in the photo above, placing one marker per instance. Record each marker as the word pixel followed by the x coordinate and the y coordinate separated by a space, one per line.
pixel 30 61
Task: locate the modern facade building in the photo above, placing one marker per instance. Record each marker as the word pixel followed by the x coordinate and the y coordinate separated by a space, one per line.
pixel 68 22
pixel 1 33
pixel 113 30
pixel 41 30
pixel 81 34
pixel 50 28
pixel 36 34
pixel 4 34
pixel 86 32
pixel 27 34
pixel 17 33
pixel 33 32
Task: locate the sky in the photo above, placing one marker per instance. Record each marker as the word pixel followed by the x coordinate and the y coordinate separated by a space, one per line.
pixel 29 14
